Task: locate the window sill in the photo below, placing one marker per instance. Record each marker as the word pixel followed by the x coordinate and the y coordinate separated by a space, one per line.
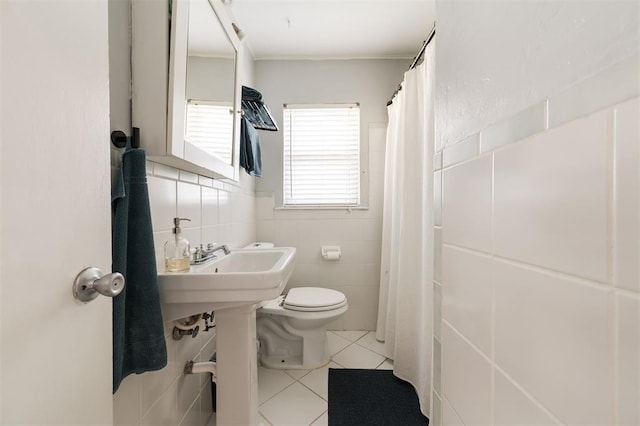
pixel 348 208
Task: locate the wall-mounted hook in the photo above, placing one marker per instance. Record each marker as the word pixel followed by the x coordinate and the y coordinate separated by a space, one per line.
pixel 135 137
pixel 118 138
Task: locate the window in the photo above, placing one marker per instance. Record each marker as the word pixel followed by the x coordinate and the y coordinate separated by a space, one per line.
pixel 210 126
pixel 321 155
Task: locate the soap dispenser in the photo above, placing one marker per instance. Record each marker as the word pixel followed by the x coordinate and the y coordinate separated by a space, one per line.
pixel 177 252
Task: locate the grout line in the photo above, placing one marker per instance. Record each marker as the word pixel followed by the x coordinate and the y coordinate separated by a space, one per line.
pixel 554 273
pixel 188 410
pixel 495 368
pixel 614 359
pixel 277 393
pixel 466 161
pixel 452 407
pixel 314 392
pixel 536 268
pixel 317 418
pixel 468 250
pixel 492 319
pixel 627 293
pixel 612 225
pixel 528 395
pixel 612 230
pixel 467 341
pixel 331 360
pixel 546 114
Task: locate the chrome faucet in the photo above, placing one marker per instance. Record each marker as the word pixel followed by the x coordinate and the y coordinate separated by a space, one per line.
pixel 222 247
pixel 202 255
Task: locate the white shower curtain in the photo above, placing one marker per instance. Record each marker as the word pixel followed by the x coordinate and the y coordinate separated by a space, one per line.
pixel 406 271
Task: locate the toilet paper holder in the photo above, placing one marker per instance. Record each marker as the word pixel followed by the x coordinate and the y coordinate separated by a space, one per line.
pixel 331 252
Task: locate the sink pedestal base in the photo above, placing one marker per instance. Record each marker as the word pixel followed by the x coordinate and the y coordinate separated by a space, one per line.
pixel 237 367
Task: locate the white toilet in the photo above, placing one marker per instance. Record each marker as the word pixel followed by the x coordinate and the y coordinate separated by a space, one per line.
pixel 292 329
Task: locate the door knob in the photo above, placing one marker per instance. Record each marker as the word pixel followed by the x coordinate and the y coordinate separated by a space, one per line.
pixel 91 281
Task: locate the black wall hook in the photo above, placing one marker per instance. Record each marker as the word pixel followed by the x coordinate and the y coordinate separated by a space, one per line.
pixel 135 137
pixel 119 138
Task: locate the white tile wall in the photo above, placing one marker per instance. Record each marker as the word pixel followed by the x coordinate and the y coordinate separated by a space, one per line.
pixel 356 273
pixel 512 407
pixel 449 415
pixel 540 275
pixel 627 195
pixel 164 208
pixel 551 190
pixel 436 410
pixel 358 233
pixel 437 310
pixel 467 301
pixel 219 214
pixel 526 123
pixel 466 378
pixel 437 366
pixel 628 359
pixel 554 336
pixel 463 150
pixel 437 254
pixel 467 188
pixel 437 198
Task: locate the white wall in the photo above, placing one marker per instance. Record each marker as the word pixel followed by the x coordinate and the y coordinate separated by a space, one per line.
pixel 506 55
pixel 371 83
pixel 219 213
pixel 210 78
pixel 537 213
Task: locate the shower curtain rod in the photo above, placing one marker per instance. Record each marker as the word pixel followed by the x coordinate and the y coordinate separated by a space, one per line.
pixel 432 33
pixel 424 47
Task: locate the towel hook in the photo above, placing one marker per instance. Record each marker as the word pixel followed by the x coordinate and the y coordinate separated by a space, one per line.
pixel 119 138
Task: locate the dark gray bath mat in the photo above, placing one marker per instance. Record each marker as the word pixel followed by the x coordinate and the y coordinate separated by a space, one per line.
pixel 372 397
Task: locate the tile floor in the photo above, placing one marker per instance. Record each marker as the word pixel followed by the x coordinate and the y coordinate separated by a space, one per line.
pixel 299 397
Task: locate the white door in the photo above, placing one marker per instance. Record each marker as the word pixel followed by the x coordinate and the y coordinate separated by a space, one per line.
pixel 55 353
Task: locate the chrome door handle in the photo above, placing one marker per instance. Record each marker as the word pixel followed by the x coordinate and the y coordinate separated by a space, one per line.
pixel 91 281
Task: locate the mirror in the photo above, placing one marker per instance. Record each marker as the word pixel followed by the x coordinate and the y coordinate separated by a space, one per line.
pixel 210 82
pixel 204 121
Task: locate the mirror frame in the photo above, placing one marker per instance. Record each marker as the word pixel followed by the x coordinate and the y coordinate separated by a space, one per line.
pixel 176 144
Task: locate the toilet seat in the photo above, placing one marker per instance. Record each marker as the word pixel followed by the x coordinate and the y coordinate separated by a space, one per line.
pixel 313 299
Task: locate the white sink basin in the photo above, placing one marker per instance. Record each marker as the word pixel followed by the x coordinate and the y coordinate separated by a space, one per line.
pixel 243 277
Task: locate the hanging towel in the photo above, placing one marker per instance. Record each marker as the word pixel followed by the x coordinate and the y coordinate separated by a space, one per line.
pixel 250 153
pixel 138 332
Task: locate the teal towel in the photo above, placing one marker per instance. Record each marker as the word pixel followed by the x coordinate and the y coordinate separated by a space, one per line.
pixel 250 153
pixel 138 331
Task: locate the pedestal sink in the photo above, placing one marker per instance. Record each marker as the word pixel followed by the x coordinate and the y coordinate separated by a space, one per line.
pixel 231 285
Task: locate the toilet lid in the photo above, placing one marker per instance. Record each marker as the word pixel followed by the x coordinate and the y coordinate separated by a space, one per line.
pixel 313 299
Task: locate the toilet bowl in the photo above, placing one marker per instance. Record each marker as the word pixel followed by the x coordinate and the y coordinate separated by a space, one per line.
pixel 292 329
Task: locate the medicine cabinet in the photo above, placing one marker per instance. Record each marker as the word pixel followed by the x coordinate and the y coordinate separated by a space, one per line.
pixel 186 89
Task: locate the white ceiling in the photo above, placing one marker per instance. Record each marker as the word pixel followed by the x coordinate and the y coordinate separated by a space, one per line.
pixel 334 29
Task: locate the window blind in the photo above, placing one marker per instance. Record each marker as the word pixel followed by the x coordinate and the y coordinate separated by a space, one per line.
pixel 210 127
pixel 321 155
